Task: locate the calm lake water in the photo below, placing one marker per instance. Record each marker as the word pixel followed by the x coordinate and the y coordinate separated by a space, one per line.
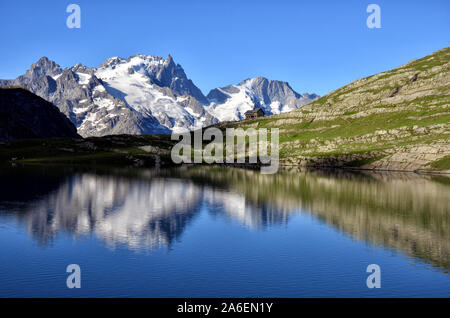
pixel 215 232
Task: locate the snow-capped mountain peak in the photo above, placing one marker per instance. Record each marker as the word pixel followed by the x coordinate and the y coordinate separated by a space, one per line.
pixel 154 87
pixel 146 94
pixel 274 97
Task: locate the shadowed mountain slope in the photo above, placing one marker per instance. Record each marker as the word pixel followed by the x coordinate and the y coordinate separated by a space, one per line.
pixel 24 115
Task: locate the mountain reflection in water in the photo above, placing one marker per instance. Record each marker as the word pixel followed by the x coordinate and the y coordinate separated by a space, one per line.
pixel 145 209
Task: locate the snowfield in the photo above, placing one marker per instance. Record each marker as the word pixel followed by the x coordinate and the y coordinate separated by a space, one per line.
pixel 132 81
pixel 274 97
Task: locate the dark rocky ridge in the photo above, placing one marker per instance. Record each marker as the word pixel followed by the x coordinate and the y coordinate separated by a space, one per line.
pixel 24 115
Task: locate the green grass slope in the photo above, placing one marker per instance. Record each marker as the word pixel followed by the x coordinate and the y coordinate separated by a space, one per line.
pixel 395 120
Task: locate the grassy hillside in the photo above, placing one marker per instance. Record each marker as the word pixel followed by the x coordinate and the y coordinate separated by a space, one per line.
pixel 397 120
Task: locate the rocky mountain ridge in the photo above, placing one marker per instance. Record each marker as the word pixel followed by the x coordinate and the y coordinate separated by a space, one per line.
pixel 274 97
pixel 146 95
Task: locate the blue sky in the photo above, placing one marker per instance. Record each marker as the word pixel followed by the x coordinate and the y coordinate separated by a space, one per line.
pixel 317 46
